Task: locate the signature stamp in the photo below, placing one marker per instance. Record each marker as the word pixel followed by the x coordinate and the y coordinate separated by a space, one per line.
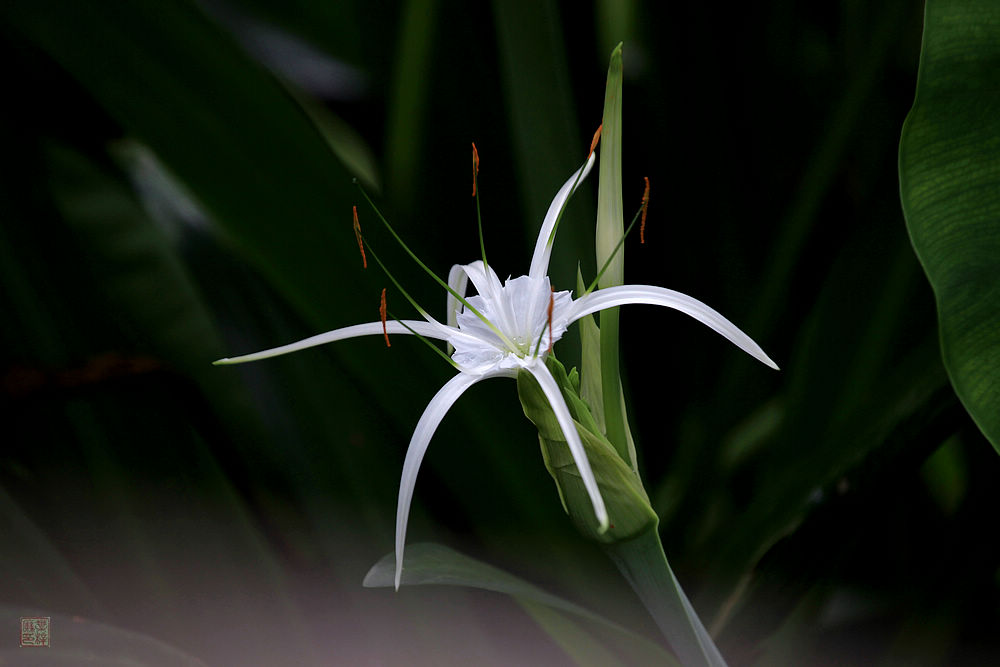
pixel 35 631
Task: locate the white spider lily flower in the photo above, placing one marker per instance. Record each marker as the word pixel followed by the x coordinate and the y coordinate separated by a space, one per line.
pixel 512 326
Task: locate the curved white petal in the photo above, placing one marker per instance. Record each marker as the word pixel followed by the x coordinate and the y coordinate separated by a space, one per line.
pixel 426 329
pixel 543 246
pixel 484 278
pixel 660 296
pixel 458 280
pixel 433 414
pixel 565 419
pixel 487 283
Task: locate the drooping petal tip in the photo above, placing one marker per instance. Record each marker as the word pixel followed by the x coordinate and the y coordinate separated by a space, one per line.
pixel 660 296
pixel 568 426
pixel 419 441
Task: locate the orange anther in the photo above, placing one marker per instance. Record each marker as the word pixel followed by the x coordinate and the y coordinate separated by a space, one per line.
pixel 552 301
pixel 382 312
pixel 475 167
pixel 645 207
pixel 593 142
pixel 357 235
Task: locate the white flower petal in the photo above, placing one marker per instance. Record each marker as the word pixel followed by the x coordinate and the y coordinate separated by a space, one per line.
pixel 543 246
pixel 660 296
pixel 458 280
pixel 493 305
pixel 433 414
pixel 565 419
pixel 431 329
pixel 528 298
pixel 477 359
pixel 485 280
pixel 520 310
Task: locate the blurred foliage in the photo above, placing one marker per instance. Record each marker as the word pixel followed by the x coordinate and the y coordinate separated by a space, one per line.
pixel 176 187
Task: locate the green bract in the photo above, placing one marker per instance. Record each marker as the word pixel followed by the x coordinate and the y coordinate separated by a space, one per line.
pixel 629 511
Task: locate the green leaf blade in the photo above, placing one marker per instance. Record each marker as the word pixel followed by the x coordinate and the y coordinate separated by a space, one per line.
pixel 610 229
pixel 949 172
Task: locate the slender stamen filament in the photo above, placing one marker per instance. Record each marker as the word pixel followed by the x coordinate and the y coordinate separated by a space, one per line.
pixel 381 313
pixel 552 301
pixel 472 309
pixel 424 341
pixel 475 194
pixel 645 207
pixel 572 191
pixel 541 334
pixel 357 235
pixel 614 252
pixel 538 342
pixel 576 182
pixel 395 282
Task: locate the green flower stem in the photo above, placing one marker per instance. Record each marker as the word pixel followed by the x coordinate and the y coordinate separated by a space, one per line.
pixel 643 563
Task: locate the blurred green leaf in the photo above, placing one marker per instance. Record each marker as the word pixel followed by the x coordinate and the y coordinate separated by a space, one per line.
pixel 577 642
pixel 232 134
pixel 140 279
pixel 271 182
pixel 945 475
pixel 851 391
pixel 42 571
pixel 349 146
pixel 949 175
pixel 547 141
pixel 140 275
pixel 436 564
pixel 409 99
pixel 616 20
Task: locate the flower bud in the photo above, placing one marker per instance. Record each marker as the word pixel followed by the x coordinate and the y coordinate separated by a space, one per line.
pixel 628 505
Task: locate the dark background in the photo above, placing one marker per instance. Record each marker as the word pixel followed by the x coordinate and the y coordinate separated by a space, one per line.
pixel 841 511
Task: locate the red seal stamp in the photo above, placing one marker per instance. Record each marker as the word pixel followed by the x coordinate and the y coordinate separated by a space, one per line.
pixel 35 630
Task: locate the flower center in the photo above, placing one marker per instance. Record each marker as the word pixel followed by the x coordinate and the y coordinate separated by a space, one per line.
pixel 525 310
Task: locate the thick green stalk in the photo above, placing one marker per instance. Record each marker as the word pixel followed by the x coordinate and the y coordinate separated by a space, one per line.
pixel 643 563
